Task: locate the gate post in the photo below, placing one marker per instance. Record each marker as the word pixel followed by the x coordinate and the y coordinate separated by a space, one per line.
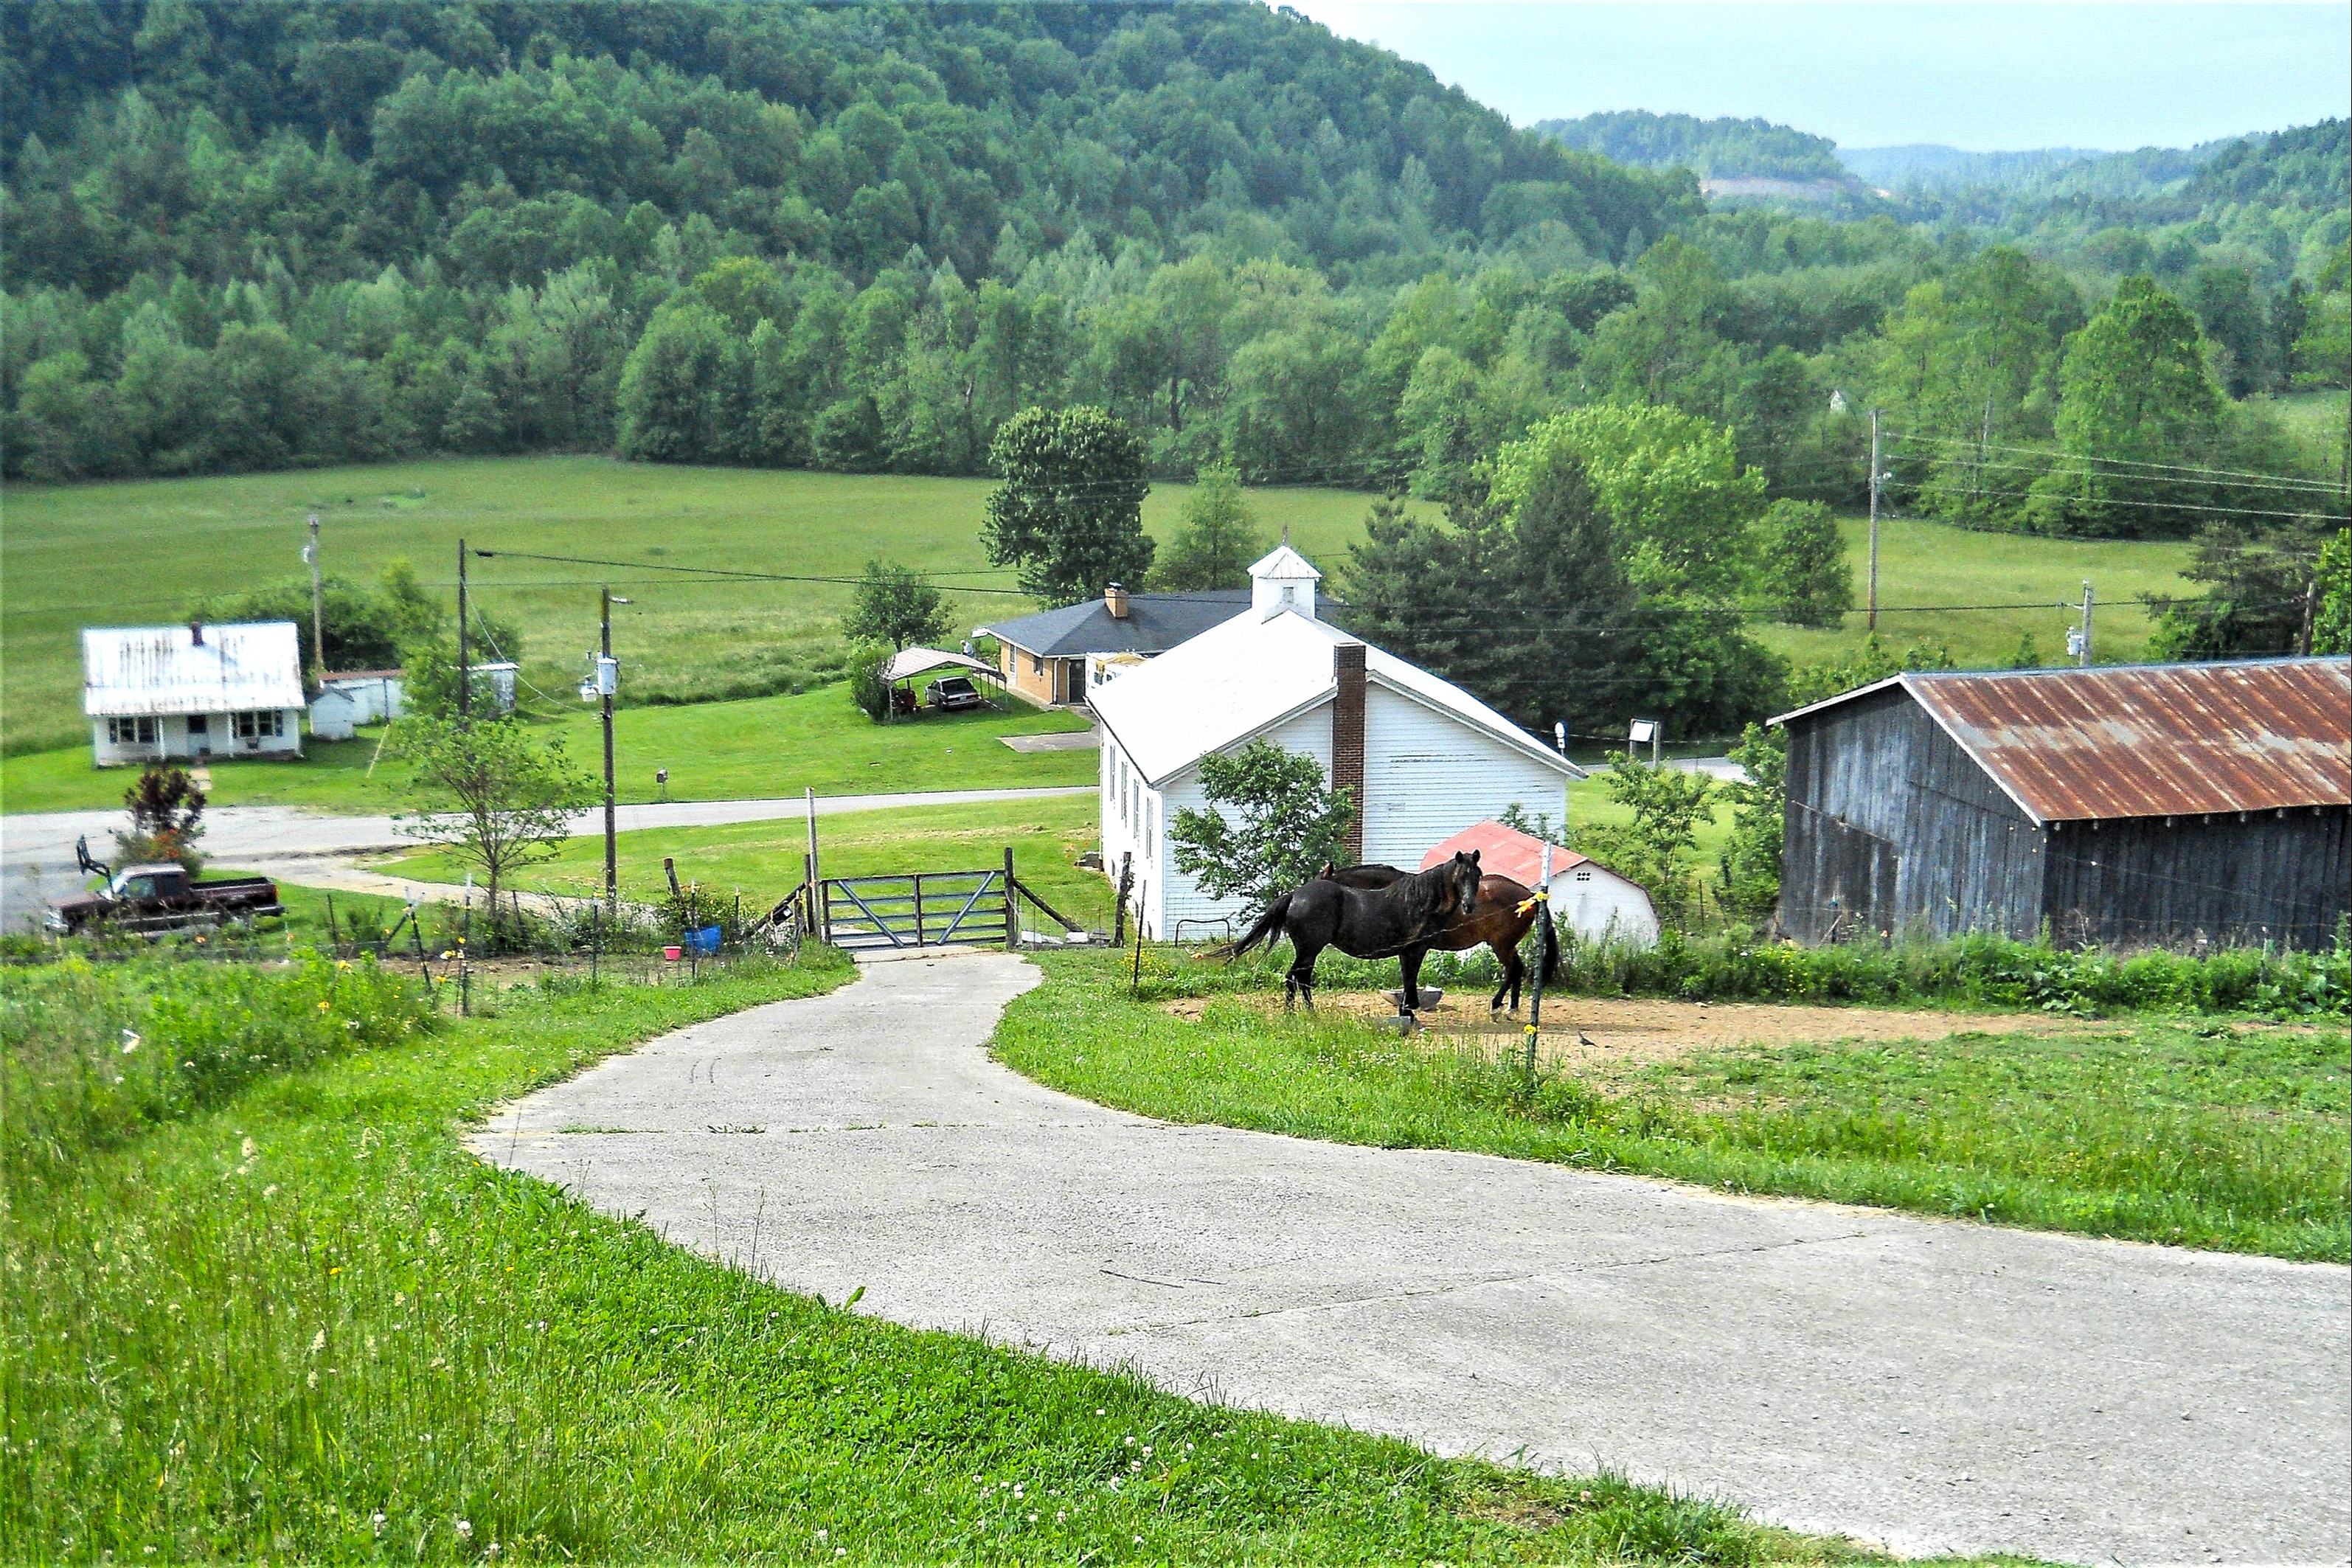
pixel 1012 928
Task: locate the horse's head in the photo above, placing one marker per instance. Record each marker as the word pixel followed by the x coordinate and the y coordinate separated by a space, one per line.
pixel 1462 879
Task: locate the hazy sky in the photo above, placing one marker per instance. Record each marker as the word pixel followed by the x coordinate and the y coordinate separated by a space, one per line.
pixel 1986 75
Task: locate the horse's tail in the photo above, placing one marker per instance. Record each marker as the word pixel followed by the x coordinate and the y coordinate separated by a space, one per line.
pixel 1546 945
pixel 1267 924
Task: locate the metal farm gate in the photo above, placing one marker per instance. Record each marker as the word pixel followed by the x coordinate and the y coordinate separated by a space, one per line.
pixel 928 909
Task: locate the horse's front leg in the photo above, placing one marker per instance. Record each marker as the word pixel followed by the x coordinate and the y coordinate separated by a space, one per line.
pixel 1410 961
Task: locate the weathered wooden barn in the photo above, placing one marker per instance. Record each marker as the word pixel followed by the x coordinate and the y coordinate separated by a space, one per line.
pixel 2135 805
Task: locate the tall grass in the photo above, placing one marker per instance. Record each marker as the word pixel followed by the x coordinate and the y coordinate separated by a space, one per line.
pixel 280 1313
pixel 1979 970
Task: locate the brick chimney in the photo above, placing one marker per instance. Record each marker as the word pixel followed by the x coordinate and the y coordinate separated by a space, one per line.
pixel 1348 737
pixel 1115 601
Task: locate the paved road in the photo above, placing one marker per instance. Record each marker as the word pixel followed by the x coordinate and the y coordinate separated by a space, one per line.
pixel 1932 1387
pixel 36 859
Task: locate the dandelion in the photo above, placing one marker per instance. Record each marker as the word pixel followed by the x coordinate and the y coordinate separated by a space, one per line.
pixel 465 1529
pixel 1060 1514
pixel 1147 1450
pixel 377 1520
pixel 325 1006
pixel 822 1534
pixel 130 1041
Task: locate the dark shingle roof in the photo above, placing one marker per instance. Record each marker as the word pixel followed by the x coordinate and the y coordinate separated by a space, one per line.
pixel 1154 623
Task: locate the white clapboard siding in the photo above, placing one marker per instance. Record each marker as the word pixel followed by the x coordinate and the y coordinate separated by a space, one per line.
pixel 1427 776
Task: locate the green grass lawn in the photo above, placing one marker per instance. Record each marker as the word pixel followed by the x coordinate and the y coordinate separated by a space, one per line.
pixel 763 859
pixel 2167 1130
pixel 65 549
pixel 265 1305
pixel 714 750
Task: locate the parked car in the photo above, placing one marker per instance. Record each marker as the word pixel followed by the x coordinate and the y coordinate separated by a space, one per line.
pixel 951 692
pixel 151 899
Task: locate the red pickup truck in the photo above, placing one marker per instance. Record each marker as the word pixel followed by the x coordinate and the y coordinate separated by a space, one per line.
pixel 151 899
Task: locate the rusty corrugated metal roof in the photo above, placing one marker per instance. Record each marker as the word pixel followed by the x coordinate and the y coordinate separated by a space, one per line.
pixel 2163 740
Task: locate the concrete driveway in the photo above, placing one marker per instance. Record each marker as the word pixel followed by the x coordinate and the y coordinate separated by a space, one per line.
pixel 37 849
pixel 1931 1386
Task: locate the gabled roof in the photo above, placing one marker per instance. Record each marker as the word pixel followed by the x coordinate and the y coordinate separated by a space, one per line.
pixel 1154 623
pixel 2154 740
pixel 1243 676
pixel 1504 851
pixel 908 663
pixel 142 671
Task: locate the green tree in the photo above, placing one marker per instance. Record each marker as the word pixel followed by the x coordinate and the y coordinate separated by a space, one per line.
pixel 1218 541
pixel 672 384
pixel 1805 573
pixel 2260 584
pixel 1068 512
pixel 895 604
pixel 1669 348
pixel 1751 867
pixel 2331 623
pixel 1684 510
pixel 1665 807
pixel 1271 825
pixel 2136 401
pixel 501 799
pixel 167 813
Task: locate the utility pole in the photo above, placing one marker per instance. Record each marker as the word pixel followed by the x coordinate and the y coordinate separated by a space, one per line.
pixel 1873 520
pixel 318 608
pixel 608 681
pixel 464 671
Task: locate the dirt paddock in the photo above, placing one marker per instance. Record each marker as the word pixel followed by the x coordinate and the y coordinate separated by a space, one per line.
pixel 1640 1029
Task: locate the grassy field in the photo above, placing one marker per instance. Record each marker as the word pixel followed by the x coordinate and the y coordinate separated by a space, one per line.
pixel 2183 1131
pixel 265 1306
pixel 1935 564
pixel 763 859
pixel 702 638
pixel 65 547
pixel 714 750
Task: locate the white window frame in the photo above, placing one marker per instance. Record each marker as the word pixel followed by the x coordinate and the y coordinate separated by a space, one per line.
pixel 133 730
pixel 258 724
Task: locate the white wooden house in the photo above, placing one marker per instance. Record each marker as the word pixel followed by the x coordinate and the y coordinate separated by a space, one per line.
pixel 1423 757
pixel 196 690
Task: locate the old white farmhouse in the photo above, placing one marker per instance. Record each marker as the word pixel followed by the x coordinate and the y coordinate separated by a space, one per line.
pixel 1424 758
pixel 196 690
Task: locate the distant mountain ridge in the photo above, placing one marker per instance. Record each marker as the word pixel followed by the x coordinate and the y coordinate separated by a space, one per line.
pixel 1726 149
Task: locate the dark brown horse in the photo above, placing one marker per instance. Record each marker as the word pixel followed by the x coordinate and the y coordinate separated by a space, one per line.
pixel 1397 919
pixel 1504 914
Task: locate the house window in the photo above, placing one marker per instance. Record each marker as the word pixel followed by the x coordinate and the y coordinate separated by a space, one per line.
pixel 1036 664
pixel 200 724
pixel 130 731
pixel 267 725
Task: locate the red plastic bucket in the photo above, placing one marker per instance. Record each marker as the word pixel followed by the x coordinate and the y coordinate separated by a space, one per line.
pixel 673 954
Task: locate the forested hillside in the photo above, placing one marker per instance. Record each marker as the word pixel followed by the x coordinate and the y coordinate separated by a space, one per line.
pixel 861 238
pixel 253 234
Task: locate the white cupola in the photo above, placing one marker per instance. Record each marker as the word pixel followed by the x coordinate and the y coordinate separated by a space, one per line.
pixel 1283 580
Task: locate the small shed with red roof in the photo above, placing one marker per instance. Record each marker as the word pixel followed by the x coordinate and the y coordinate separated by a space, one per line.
pixel 1587 898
